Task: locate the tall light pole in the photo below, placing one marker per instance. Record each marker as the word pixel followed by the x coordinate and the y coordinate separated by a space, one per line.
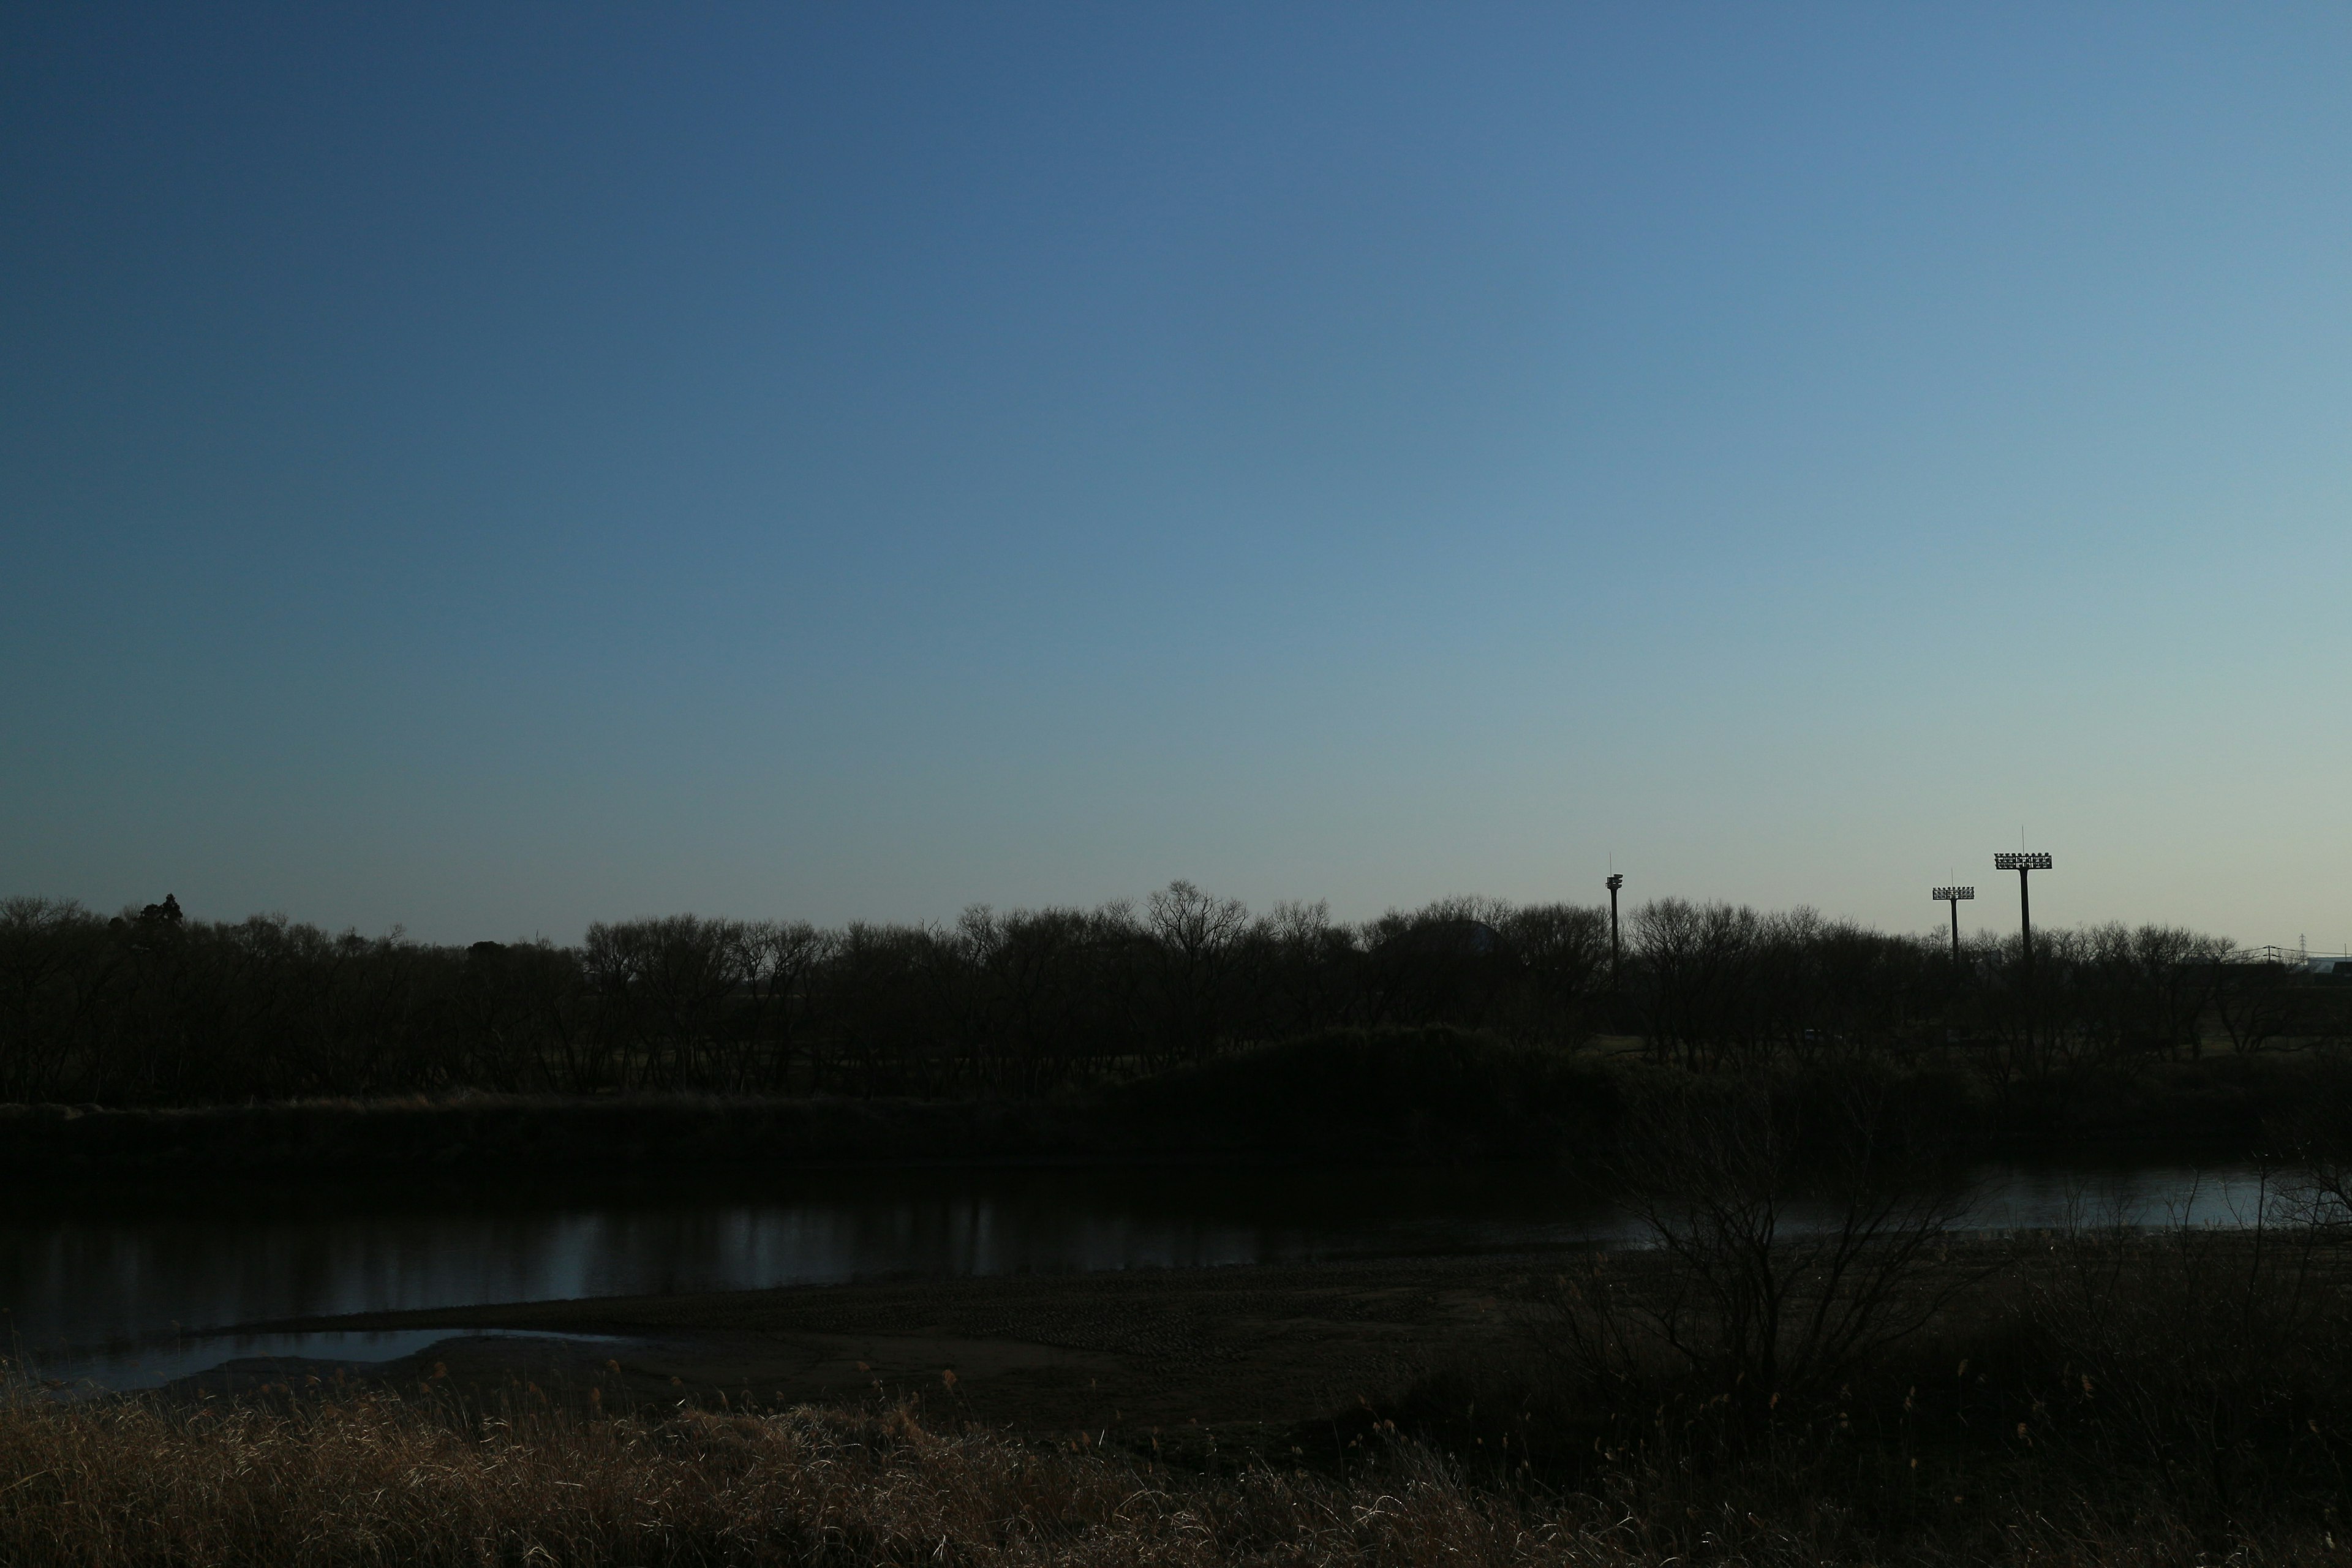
pixel 1615 882
pixel 2023 863
pixel 1953 896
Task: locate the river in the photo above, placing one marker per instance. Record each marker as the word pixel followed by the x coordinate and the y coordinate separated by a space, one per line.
pixel 133 1287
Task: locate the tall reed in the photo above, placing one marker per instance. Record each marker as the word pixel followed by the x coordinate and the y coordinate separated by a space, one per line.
pixel 336 1477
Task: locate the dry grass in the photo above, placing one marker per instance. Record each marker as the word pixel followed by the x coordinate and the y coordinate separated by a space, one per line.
pixel 374 1478
pixel 367 1477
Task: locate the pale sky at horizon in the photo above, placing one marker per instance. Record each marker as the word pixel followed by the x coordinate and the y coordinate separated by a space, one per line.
pixel 490 468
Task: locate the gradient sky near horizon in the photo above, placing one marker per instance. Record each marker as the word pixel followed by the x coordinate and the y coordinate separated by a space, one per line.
pixel 486 468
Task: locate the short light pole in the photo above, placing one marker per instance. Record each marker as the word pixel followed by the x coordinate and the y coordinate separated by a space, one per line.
pixel 2024 864
pixel 1953 896
pixel 1615 882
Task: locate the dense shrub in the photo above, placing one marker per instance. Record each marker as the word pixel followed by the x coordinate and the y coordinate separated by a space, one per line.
pixel 1432 1093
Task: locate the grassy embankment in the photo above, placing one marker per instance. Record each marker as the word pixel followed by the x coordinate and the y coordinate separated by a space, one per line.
pixel 1392 1097
pixel 1383 1098
pixel 2170 1399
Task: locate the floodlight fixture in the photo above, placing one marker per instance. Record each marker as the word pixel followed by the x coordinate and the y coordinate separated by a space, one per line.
pixel 2022 862
pixel 1953 896
pixel 1615 882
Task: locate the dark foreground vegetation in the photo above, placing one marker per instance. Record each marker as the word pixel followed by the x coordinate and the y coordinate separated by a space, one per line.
pixel 1873 1386
pixel 375 1477
pixel 149 1008
pixel 1807 1366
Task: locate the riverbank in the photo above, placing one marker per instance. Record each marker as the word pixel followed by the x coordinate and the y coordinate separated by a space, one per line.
pixel 1396 1098
pixel 1387 1098
pixel 1253 1354
pixel 372 1479
pixel 1292 1413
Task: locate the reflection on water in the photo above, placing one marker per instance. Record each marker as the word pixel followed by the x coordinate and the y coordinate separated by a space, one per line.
pixel 126 1272
pixel 130 1271
pixel 152 1365
pixel 2050 1197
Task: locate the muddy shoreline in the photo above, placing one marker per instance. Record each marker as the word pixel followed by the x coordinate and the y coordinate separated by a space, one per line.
pixel 1257 1348
pixel 1260 1349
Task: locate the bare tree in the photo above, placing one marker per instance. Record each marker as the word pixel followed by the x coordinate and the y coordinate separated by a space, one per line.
pixel 2198 1354
pixel 1694 962
pixel 1311 965
pixel 52 968
pixel 666 985
pixel 1788 1242
pixel 784 961
pixel 1197 940
pixel 2264 1005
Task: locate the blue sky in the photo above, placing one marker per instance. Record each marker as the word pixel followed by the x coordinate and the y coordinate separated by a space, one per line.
pixel 492 468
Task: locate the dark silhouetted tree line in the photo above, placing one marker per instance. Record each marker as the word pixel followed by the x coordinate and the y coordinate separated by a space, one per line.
pixel 1713 986
pixel 150 1008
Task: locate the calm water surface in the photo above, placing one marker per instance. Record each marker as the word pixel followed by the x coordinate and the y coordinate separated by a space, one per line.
pixel 140 1272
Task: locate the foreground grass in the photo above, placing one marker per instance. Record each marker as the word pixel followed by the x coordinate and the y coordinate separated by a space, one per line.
pixel 350 1477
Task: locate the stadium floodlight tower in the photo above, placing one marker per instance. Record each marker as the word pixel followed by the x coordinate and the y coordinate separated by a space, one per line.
pixel 2023 863
pixel 1953 896
pixel 1615 882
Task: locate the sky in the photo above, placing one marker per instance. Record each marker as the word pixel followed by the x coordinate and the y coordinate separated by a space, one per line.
pixel 488 469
